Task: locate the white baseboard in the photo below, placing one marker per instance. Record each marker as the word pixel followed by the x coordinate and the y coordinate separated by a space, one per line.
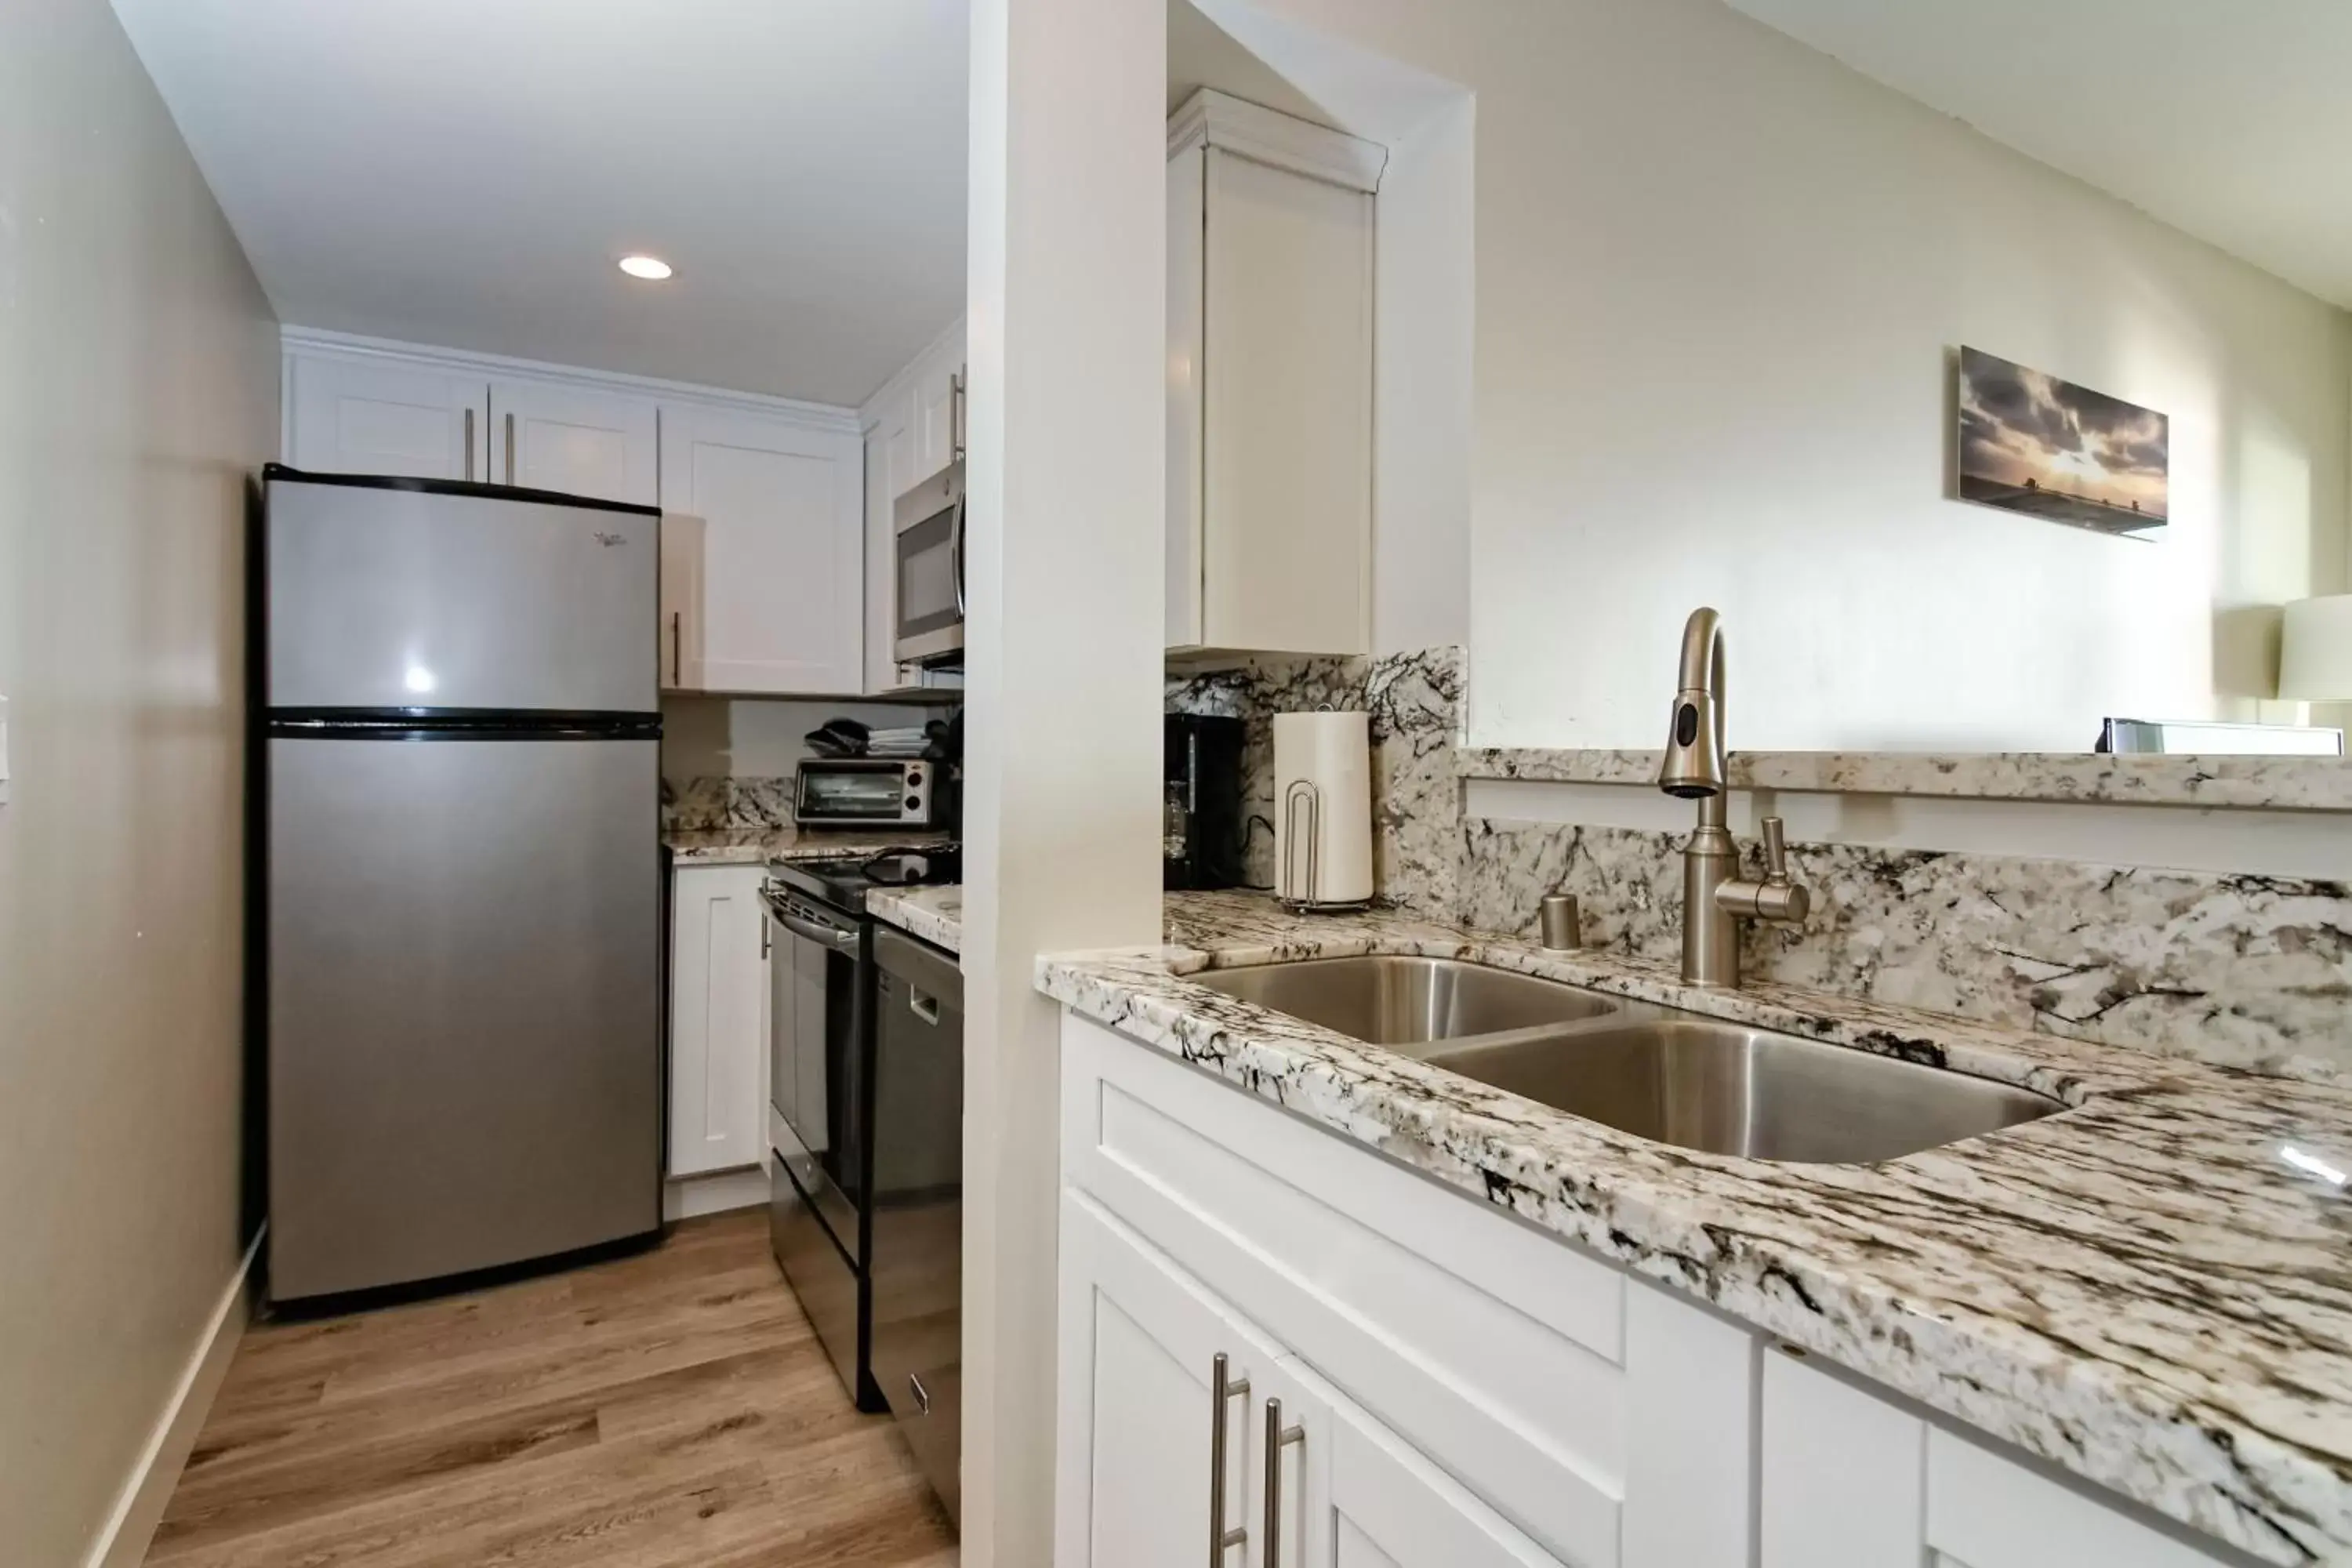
pixel 743 1188
pixel 138 1507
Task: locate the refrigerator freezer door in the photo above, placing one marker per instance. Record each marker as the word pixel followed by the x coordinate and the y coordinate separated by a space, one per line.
pixel 381 597
pixel 465 1050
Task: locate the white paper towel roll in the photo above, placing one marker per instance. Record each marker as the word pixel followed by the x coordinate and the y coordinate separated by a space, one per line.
pixel 1325 759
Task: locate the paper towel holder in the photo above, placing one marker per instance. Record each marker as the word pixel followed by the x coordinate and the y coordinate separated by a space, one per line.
pixel 1304 793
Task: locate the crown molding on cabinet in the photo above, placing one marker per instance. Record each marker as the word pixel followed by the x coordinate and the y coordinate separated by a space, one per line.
pixel 1213 119
pixel 816 416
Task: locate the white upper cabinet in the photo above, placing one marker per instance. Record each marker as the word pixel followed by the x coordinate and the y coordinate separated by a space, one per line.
pixel 582 441
pixel 1270 380
pixel 775 512
pixel 915 429
pixel 939 418
pixel 366 415
pixel 764 563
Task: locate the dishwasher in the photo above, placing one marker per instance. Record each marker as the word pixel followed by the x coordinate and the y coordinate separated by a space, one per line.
pixel 916 1263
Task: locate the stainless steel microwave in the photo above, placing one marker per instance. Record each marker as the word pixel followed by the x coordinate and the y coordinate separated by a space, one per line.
pixel 870 791
pixel 929 570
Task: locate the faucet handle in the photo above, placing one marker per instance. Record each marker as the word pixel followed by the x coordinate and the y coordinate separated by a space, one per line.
pixel 1776 849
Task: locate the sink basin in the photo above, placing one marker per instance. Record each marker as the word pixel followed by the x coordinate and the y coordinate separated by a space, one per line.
pixel 1726 1089
pixel 1392 1000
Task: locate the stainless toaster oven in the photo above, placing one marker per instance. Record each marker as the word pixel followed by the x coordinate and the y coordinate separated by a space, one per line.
pixel 870 791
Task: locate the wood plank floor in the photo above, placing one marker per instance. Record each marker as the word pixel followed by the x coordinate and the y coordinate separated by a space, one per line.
pixel 671 1408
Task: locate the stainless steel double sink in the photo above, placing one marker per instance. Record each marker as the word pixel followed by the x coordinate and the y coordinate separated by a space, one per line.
pixel 1673 1076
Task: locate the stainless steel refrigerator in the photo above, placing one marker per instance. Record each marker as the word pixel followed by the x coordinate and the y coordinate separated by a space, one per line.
pixel 461 877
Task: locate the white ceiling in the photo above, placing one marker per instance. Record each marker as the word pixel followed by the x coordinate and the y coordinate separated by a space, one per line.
pixel 466 172
pixel 2229 119
pixel 1202 54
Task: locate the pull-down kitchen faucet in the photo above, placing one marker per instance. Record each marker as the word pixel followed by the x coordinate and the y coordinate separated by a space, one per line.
pixel 1715 897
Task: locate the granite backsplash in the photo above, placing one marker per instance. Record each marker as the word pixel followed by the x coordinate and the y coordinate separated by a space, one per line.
pixel 2239 970
pixel 1415 701
pixel 708 802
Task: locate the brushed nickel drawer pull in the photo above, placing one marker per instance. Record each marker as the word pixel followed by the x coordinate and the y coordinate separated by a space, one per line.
pixel 1277 1438
pixel 1220 1390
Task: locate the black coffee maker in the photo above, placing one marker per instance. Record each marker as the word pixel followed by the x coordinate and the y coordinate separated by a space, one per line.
pixel 1202 822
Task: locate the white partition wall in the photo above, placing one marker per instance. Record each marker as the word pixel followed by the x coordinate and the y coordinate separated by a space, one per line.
pixel 1062 689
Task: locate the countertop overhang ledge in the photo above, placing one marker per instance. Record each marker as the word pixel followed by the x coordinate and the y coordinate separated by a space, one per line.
pixel 2091 778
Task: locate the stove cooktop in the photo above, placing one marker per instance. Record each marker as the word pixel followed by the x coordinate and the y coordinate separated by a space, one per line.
pixel 843 883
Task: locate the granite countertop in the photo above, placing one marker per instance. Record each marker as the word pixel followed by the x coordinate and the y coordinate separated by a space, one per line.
pixel 2137 1289
pixel 2284 783
pixel 933 914
pixel 757 846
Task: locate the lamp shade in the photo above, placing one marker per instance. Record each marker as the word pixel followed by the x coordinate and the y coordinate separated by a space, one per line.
pixel 2315 650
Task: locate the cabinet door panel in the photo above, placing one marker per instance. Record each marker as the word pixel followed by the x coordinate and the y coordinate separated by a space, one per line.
pixel 681 603
pixel 938 416
pixel 881 574
pixel 781 569
pixel 1986 1511
pixel 1841 1475
pixel 1287 470
pixel 373 416
pixel 1138 1339
pixel 1186 193
pixel 1389 1505
pixel 719 1019
pixel 578 440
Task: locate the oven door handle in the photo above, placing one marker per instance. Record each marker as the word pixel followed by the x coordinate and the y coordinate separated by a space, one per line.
pixel 823 935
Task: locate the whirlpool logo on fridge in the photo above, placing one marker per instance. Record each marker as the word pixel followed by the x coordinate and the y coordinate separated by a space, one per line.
pixel 610 540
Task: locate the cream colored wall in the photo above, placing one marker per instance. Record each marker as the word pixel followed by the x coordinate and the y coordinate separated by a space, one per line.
pixel 138 393
pixel 1717 276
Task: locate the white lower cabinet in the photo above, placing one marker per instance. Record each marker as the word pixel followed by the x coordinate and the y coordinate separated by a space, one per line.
pixel 719 1019
pixel 1144 1420
pixel 1850 1481
pixel 1468 1392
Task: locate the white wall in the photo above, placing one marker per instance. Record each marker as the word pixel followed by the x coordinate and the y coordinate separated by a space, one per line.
pixel 1717 278
pixel 1069 332
pixel 138 393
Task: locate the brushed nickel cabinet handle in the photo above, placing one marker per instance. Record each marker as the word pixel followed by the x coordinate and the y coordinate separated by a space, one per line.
pixel 470 445
pixel 922 1396
pixel 1277 1438
pixel 956 396
pixel 1220 1390
pixel 510 467
pixel 677 651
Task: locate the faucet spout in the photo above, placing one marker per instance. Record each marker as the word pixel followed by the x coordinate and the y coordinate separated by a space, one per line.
pixel 1693 767
pixel 1714 896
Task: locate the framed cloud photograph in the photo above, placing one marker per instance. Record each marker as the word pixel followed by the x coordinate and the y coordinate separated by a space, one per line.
pixel 2029 442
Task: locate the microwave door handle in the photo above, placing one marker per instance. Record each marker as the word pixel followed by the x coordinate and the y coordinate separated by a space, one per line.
pixel 955 554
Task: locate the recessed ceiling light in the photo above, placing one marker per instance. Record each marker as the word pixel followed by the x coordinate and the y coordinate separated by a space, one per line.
pixel 652 269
